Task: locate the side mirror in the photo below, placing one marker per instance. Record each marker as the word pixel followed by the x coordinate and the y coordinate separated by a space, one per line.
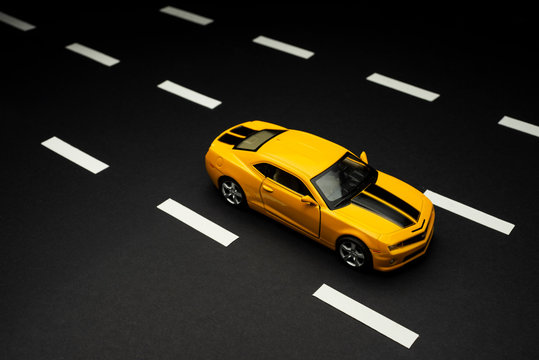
pixel 309 200
pixel 363 157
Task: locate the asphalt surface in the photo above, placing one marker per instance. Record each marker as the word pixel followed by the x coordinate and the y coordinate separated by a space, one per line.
pixel 91 269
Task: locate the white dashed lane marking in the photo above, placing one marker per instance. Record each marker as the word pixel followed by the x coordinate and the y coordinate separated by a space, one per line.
pixel 366 315
pixel 75 155
pixel 403 87
pixel 189 94
pixel 197 222
pixel 186 15
pixel 519 125
pixel 16 23
pixel 92 54
pixel 281 46
pixel 470 213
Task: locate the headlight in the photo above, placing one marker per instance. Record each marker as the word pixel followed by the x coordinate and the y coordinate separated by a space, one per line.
pixel 410 241
pixel 396 246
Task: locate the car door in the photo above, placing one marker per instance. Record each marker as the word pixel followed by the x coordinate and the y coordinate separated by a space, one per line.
pixel 281 193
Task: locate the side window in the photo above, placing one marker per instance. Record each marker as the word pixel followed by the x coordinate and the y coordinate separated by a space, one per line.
pixel 266 169
pixel 289 181
pixel 284 178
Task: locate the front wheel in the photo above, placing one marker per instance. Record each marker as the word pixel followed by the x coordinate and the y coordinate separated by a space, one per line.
pixel 232 192
pixel 354 253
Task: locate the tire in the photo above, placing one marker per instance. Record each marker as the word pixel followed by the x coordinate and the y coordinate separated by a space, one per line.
pixel 232 192
pixel 354 253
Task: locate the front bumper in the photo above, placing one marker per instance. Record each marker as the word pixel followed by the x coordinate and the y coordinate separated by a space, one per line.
pixel 391 261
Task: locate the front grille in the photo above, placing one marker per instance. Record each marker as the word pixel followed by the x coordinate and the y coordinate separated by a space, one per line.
pixel 418 237
pixel 414 239
pixel 409 256
pixel 421 227
pixel 421 236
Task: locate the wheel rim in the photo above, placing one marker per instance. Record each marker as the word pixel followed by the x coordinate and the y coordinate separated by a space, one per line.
pixel 231 192
pixel 352 254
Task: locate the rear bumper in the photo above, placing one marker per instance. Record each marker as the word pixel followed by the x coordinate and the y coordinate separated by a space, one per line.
pixel 388 262
pixel 212 170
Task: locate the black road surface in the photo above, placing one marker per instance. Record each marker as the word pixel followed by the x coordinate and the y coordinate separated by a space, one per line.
pixel 91 269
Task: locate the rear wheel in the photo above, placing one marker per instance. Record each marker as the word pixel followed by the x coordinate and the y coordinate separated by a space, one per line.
pixel 354 253
pixel 232 192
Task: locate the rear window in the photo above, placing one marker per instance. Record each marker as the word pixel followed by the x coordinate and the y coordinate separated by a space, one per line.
pixel 254 141
pixel 242 130
pixel 230 139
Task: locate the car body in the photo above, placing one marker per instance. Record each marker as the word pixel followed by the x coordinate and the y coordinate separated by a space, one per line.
pixel 324 191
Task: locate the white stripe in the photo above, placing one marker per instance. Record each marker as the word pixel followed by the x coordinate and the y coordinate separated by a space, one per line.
pixel 403 87
pixel 189 94
pixel 92 54
pixel 186 15
pixel 520 125
pixel 287 48
pixel 71 153
pixel 366 315
pixel 13 21
pixel 470 213
pixel 197 222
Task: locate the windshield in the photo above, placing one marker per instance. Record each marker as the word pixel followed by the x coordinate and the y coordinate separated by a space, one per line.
pixel 343 180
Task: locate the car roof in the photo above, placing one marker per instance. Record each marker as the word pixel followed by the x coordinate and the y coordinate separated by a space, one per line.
pixel 302 152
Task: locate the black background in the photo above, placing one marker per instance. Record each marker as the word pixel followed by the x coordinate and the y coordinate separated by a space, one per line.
pixel 91 269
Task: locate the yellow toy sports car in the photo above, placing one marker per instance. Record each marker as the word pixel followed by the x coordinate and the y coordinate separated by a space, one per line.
pixel 322 190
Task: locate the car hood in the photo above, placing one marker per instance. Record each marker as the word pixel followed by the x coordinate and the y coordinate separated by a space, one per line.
pixel 402 190
pixel 384 207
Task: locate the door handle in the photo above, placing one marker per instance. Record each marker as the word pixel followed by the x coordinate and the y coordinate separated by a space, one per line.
pixel 267 188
